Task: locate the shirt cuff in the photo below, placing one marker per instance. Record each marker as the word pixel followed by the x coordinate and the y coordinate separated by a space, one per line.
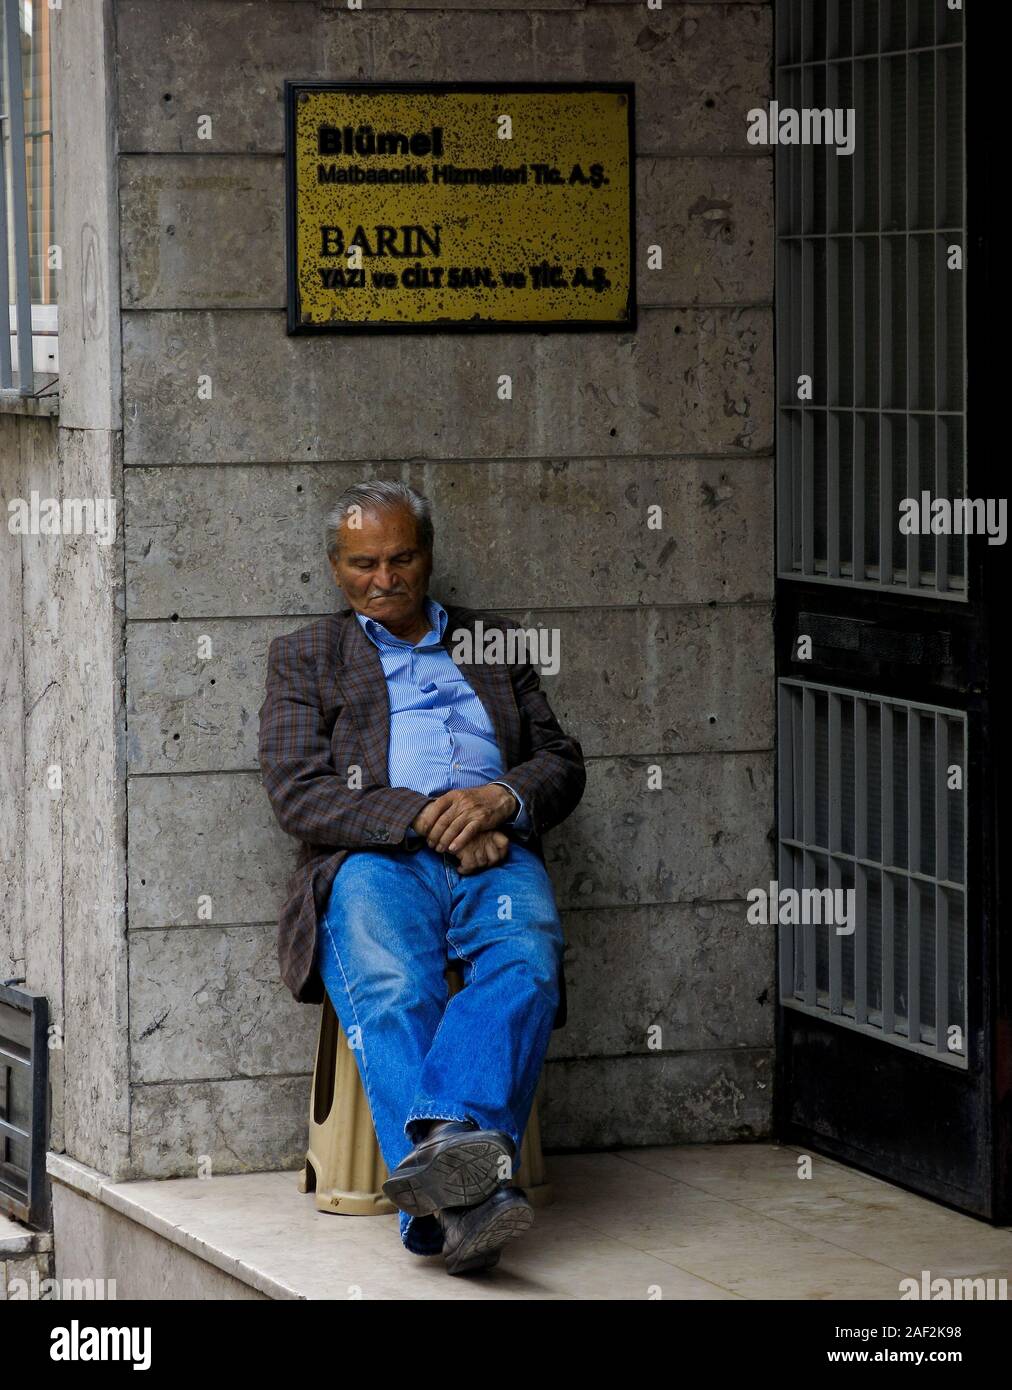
pixel 522 819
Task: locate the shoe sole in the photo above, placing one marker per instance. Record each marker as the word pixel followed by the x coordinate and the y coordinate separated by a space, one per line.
pixel 481 1247
pixel 460 1175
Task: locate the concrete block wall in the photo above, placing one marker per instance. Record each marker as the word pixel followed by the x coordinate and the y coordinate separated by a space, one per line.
pixel 31 819
pixel 62 814
pixel 541 508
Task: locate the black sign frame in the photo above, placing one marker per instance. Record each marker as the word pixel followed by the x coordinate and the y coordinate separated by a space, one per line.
pixel 296 327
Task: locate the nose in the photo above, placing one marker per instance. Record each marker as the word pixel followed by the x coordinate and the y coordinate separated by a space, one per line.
pixel 384 579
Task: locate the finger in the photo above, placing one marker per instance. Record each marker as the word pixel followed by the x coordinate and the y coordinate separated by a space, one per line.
pixel 460 829
pixel 465 835
pixel 429 814
pixel 448 818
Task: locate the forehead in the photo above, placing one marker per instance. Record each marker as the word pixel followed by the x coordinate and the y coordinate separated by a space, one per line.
pixel 394 530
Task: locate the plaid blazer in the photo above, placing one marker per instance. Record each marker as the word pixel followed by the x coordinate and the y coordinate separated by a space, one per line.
pixel 326 711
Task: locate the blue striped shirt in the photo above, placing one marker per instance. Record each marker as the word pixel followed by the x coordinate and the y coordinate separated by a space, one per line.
pixel 441 736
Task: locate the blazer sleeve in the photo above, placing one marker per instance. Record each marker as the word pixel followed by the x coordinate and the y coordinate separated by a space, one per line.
pixel 310 799
pixel 552 778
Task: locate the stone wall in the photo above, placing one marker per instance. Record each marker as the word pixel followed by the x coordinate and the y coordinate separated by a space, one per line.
pixel 541 507
pixel 62 822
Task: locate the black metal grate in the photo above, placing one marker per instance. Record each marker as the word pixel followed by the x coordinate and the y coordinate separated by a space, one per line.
pixel 866 304
pixel 873 798
pixel 24 1080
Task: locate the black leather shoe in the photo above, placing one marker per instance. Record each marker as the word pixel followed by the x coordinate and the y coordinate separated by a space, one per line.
pixel 473 1237
pixel 457 1165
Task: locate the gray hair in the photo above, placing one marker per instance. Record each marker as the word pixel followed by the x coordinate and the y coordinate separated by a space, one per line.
pixel 380 496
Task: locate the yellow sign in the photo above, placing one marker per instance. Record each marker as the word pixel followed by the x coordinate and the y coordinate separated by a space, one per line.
pixel 459 207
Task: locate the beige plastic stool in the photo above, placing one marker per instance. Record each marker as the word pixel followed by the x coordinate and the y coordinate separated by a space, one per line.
pixel 344 1165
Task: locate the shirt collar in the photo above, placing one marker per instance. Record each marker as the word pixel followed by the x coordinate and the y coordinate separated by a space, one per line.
pixel 381 637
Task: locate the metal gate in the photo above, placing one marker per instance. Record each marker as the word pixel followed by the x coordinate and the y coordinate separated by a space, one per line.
pixel 890 1035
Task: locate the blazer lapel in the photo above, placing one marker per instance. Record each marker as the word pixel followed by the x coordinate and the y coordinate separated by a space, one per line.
pixel 364 688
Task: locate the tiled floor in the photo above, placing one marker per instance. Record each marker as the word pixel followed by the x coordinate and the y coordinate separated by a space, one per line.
pixel 700 1222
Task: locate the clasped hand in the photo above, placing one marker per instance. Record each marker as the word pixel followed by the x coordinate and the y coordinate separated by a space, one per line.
pixel 464 823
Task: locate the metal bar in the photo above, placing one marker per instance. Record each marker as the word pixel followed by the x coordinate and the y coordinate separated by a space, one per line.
pixel 883 141
pixel 886 510
pixel 858 435
pixel 957 592
pixel 941 796
pixel 833 495
pixel 882 53
pixel 834 766
pixel 885 519
pixel 786 769
pixel 941 490
pixel 940 243
pixel 861 946
pixel 799 844
pixel 888 958
pixel 809 951
pixel 15 1131
pixel 807 470
pixel 915 327
pixel 858 269
pixel 892 233
pixel 952 1059
pixel 808 804
pixel 786 295
pixel 914 791
pixel 784 497
pixel 798 735
pixel 833 882
pixel 832 263
pixel 913 960
pixel 912 142
pixel 922 705
pixel 835 769
pixel 913 443
pixel 19 198
pixel 786 773
pixel 806 159
pixel 797 726
pixel 860 778
pixel 807 321
pixel 797 443
pixel 786 938
pixel 833 161
pixel 928 879
pixel 815 408
pixel 941 971
pixel 808 762
pixel 886 783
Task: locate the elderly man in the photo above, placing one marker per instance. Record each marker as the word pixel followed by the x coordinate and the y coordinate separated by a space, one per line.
pixel 420 790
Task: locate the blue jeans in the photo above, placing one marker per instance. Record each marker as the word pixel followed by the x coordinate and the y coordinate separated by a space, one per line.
pixel 393 918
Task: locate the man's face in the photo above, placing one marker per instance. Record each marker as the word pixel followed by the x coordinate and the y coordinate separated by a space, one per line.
pixel 382 570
